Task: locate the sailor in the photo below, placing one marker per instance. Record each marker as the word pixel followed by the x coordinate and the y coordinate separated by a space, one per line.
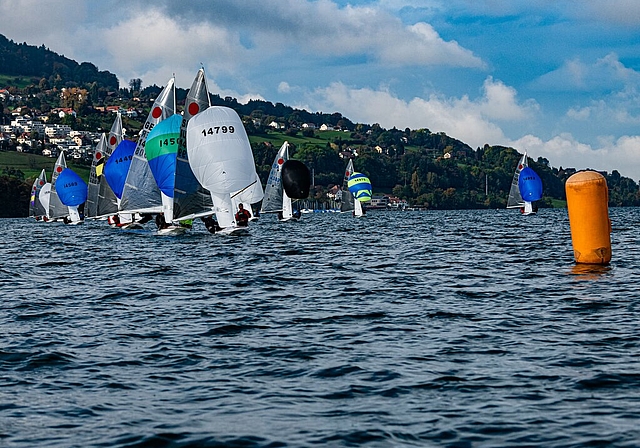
pixel 243 216
pixel 161 222
pixel 211 224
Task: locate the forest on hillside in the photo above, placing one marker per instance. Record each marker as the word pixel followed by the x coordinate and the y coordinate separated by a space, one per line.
pixel 428 169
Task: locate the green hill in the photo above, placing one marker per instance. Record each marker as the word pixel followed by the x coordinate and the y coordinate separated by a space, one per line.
pixel 428 169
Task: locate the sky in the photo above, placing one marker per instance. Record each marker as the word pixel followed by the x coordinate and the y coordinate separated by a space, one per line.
pixel 559 79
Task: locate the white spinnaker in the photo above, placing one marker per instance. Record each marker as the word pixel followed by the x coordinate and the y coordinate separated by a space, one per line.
pixel 45 196
pixel 219 151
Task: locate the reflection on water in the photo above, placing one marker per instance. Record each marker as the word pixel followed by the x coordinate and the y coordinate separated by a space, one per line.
pixel 590 271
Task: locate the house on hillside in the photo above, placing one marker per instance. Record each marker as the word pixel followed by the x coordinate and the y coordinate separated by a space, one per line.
pixel 5 95
pixel 63 111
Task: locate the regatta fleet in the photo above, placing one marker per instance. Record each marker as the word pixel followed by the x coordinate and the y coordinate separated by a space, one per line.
pixel 183 166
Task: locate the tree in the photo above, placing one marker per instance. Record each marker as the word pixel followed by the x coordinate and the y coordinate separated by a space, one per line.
pixel 135 85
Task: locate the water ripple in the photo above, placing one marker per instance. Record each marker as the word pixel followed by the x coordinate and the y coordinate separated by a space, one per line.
pixel 452 328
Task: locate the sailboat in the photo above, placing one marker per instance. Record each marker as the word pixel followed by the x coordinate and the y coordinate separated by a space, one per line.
pixel 57 210
pixel 72 191
pixel 275 198
pixel 359 186
pixel 44 197
pixel 141 193
pixel 101 200
pixel 161 151
pixel 190 199
pixel 249 196
pixel 347 201
pixel 221 159
pixel 116 169
pixel 36 208
pixel 528 185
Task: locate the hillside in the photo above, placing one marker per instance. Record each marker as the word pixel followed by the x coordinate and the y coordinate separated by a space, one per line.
pixel 431 170
pixel 43 65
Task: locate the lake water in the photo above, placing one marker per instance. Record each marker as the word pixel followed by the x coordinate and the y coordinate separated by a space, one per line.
pixel 438 328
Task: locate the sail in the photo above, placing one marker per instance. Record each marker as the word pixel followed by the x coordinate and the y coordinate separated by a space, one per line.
pixel 530 185
pixel 273 192
pixel 140 193
pixel 71 189
pixel 190 199
pixel 219 151
pixel 287 208
pixel 161 151
pixel 117 166
pixel 248 196
pixel 357 208
pixel 107 200
pixel 251 194
pixel 360 186
pixel 296 179
pixel 36 208
pixel 56 208
pixel 346 199
pixel 44 197
pixel 115 135
pixel 97 164
pixel 515 199
pixel 224 209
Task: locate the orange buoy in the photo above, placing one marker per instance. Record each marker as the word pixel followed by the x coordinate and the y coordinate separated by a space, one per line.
pixel 587 203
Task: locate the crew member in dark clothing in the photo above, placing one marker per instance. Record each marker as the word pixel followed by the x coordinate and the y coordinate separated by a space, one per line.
pixel 145 218
pixel 211 224
pixel 243 216
pixel 161 222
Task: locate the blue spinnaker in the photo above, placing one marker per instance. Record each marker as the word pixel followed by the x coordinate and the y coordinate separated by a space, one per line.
pixel 71 189
pixel 161 151
pixel 117 166
pixel 530 185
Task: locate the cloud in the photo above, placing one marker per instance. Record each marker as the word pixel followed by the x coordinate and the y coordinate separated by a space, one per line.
pixel 580 113
pixel 618 12
pixel 324 29
pixel 475 122
pixel 468 120
pixel 40 22
pixel 500 102
pixel 565 151
pixel 284 87
pixel 602 75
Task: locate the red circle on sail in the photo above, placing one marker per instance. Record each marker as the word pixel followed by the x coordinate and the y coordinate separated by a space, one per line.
pixel 157 112
pixel 59 169
pixel 520 167
pixel 194 108
pixel 280 161
pixel 112 140
pixel 41 182
pixel 98 155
